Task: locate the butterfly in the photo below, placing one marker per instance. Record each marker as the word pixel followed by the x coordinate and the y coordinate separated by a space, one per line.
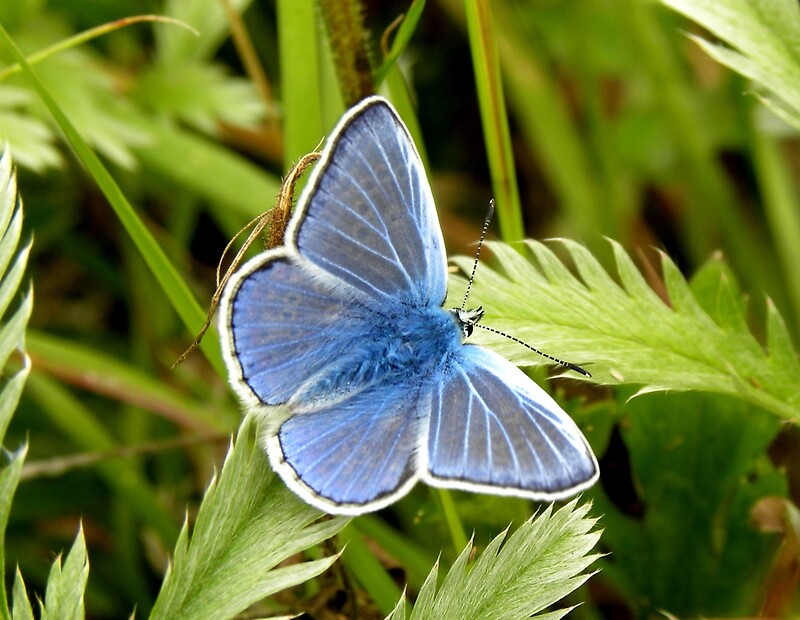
pixel 339 336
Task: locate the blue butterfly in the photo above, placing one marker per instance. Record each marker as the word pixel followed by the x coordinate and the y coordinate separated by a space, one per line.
pixel 341 337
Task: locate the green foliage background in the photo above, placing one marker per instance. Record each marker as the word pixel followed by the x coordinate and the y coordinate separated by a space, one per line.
pixel 142 147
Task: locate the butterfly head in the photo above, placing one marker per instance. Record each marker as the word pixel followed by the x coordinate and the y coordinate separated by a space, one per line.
pixel 467 319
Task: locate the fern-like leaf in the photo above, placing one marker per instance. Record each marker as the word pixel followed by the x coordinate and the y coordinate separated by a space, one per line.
pixel 623 333
pixel 248 523
pixel 762 35
pixel 14 314
pixel 65 586
pixel 538 565
pixel 22 609
pixel 13 317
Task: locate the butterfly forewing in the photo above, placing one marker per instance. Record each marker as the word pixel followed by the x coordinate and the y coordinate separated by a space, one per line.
pixel 368 216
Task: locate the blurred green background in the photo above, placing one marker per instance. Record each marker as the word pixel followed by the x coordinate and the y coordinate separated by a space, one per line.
pixel 621 127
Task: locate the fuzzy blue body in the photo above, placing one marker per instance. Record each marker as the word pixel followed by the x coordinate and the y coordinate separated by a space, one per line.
pixel 407 346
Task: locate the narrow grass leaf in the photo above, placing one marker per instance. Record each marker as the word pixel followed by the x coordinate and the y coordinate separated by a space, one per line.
pixel 174 287
pixel 494 117
pixel 368 571
pixel 301 74
pixel 401 39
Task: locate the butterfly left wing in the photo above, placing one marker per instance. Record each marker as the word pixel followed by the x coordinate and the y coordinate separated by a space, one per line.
pixel 493 430
pixel 353 456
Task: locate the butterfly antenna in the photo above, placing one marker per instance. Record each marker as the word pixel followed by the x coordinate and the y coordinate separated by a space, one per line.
pixel 486 221
pixel 557 360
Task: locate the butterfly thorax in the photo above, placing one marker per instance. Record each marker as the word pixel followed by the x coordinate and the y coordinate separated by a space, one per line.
pixel 407 342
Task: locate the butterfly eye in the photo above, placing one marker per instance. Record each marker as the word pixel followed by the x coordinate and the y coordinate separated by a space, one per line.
pixel 467 319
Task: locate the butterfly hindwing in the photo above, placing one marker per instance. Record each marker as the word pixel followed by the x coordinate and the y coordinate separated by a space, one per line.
pixel 355 455
pixel 493 430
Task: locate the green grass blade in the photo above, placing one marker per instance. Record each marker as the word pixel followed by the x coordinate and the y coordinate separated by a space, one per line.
pixel 401 39
pixel 495 119
pixel 367 570
pixel 301 74
pixel 174 287
pixel 783 215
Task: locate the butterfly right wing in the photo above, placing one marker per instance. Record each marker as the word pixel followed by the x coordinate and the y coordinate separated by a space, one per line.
pixel 283 320
pixel 493 430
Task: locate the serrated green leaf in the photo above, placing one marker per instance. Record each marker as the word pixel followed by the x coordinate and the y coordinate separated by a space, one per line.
pixel 66 585
pixel 765 33
pixel 779 341
pixel 625 333
pixel 176 46
pixel 9 478
pixel 21 608
pixel 248 523
pixel 87 96
pixel 30 140
pixel 516 576
pixel 12 328
pixel 399 611
pixel 12 337
pixel 200 95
